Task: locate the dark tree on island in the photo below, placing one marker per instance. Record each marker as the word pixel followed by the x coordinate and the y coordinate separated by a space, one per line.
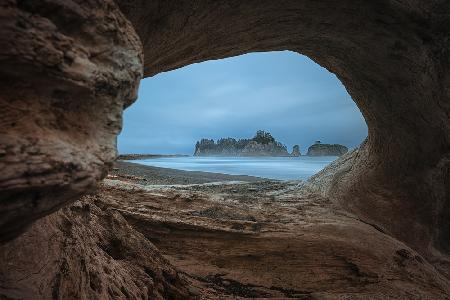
pixel 263 137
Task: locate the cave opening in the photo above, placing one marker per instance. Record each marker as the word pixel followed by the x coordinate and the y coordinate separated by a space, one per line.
pixel 225 230
pixel 374 224
pixel 286 94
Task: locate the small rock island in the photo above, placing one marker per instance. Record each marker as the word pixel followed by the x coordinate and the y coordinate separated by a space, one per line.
pixel 262 144
pixel 319 149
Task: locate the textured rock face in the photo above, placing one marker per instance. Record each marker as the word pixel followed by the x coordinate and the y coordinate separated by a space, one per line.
pixel 68 68
pixel 86 251
pixel 217 244
pixel 320 149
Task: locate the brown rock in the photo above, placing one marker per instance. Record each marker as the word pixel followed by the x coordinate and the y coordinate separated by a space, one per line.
pixel 270 240
pixel 68 68
pixel 84 252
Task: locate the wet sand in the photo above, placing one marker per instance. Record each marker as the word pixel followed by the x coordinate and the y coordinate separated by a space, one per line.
pixel 155 175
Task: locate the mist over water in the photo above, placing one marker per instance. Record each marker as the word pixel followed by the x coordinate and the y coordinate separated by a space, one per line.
pixel 283 168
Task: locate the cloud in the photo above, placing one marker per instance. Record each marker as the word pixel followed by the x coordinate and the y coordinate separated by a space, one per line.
pixel 225 90
pixel 283 92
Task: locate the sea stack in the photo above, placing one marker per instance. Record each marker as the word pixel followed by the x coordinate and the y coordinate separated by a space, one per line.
pixel 319 149
pixel 296 151
pixel 262 144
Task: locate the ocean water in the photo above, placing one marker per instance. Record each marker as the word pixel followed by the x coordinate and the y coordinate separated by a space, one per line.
pixel 284 168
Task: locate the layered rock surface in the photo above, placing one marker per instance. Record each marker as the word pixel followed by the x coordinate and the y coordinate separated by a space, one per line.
pixel 273 240
pixel 220 241
pixel 67 70
pixel 86 251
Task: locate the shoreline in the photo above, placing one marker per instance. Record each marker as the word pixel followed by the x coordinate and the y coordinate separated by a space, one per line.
pixel 147 156
pixel 147 175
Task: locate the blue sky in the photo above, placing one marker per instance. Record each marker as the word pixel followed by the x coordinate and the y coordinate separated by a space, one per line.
pixel 284 93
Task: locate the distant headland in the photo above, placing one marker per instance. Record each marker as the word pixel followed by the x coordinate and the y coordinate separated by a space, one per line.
pixel 262 144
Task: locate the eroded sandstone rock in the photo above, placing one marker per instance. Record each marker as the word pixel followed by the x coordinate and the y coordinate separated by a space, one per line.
pixel 67 69
pixel 86 252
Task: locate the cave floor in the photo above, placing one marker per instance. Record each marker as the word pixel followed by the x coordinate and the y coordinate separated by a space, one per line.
pixel 270 239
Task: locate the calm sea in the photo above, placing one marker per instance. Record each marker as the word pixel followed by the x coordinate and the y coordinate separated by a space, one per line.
pixel 284 168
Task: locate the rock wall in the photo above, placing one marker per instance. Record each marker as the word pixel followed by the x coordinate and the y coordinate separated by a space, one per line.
pixel 86 251
pixel 68 68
